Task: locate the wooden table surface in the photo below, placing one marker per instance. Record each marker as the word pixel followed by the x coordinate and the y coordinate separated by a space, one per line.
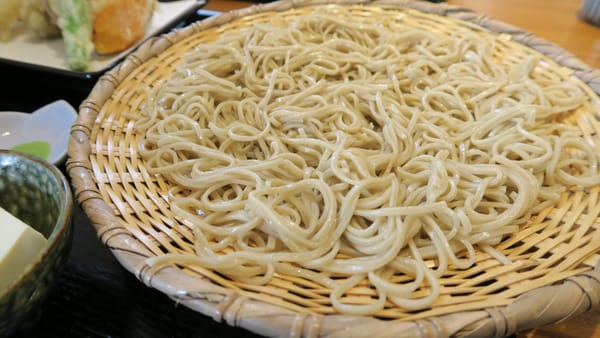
pixel 558 22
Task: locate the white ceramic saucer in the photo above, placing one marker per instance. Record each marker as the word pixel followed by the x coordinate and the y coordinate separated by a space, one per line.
pixel 44 133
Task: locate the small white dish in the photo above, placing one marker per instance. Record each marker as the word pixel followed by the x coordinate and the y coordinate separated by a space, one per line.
pixel 44 133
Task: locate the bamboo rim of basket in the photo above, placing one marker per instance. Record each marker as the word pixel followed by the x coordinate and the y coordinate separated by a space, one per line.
pixel 127 208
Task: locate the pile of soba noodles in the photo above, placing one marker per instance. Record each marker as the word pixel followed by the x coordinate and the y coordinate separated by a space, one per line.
pixel 344 151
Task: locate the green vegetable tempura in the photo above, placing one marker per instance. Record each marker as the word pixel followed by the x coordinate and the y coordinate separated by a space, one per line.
pixel 75 23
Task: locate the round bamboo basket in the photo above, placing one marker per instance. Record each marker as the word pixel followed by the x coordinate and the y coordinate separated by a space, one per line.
pixel 556 274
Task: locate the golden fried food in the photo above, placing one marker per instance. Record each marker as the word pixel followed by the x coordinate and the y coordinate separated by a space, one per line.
pixel 117 24
pixel 9 15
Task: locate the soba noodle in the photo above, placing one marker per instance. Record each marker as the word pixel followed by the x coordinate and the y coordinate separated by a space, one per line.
pixel 347 152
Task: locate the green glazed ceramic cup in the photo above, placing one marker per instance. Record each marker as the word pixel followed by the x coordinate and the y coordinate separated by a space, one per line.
pixel 36 192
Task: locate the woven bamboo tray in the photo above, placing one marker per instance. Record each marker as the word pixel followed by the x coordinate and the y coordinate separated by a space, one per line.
pixel 127 206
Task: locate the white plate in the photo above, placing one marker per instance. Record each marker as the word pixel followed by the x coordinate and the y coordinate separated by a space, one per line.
pixel 26 48
pixel 48 126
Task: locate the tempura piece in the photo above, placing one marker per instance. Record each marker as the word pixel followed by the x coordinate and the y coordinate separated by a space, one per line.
pixel 9 16
pixel 119 24
pixel 38 17
pixel 75 23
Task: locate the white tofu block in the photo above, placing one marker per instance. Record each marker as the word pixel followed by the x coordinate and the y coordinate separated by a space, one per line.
pixel 19 245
